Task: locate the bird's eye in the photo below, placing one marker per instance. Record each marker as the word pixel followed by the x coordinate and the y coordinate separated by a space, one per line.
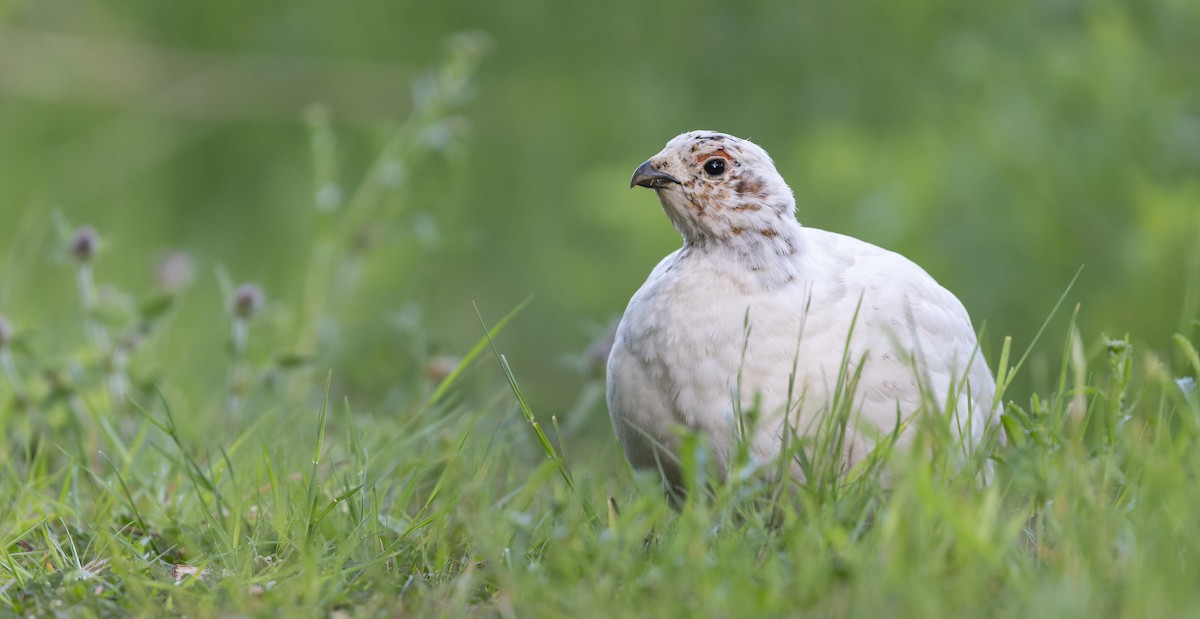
pixel 714 166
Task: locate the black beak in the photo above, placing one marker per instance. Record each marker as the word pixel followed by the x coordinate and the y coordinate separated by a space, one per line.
pixel 647 176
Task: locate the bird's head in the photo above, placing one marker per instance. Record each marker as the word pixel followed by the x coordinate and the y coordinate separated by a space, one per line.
pixel 716 187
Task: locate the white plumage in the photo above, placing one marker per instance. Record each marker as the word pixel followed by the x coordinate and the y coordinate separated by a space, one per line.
pixel 745 260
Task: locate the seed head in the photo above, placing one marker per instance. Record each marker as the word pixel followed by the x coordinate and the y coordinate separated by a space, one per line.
pixel 85 244
pixel 247 300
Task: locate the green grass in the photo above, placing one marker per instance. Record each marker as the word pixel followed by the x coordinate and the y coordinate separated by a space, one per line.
pixel 451 506
pixel 144 478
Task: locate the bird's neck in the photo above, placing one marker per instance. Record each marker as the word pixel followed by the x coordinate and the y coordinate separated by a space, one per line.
pixel 769 252
pixel 755 234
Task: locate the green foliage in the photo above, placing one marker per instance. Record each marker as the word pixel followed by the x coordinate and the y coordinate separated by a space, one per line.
pixel 174 442
pixel 1001 145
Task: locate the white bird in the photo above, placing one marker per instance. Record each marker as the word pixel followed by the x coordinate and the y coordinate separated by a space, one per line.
pixel 757 311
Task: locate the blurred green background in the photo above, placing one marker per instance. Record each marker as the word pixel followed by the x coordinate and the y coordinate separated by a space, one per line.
pixel 1001 145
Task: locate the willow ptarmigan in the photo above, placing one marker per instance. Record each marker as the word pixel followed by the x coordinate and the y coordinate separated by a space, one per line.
pixel 757 309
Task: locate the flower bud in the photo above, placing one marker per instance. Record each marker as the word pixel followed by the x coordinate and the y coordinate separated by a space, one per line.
pixel 247 300
pixel 175 271
pixel 85 244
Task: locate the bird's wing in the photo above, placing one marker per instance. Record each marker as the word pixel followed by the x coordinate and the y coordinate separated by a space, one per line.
pixel 917 337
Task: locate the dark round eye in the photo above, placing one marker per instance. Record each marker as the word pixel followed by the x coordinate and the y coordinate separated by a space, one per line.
pixel 714 166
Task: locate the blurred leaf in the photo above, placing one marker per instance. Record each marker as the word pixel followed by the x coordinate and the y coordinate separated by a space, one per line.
pixel 114 308
pixel 156 305
pixel 289 360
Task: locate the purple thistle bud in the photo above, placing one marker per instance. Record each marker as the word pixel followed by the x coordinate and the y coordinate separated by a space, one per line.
pixel 247 300
pixel 5 332
pixel 85 244
pixel 175 271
